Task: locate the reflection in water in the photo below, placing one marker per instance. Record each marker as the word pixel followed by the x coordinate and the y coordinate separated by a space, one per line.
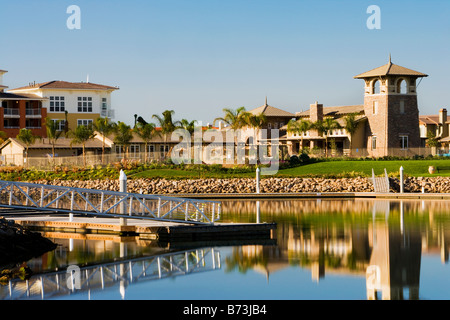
pixel 381 242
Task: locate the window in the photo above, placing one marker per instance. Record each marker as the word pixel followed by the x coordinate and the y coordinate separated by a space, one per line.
pixel 402 86
pixel 85 122
pixel 162 149
pixel 376 87
pixel 403 142
pixel 57 104
pixel 60 124
pixel 375 107
pixel 104 110
pixel 151 148
pixel 84 104
pixel 402 107
pixel 135 149
pixel 374 143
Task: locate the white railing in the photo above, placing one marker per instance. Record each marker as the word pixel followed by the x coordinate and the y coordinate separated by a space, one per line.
pixel 121 274
pixel 107 203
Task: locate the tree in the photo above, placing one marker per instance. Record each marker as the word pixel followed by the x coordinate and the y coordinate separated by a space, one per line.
pixel 299 127
pixel 187 125
pixel 53 132
pixel 104 127
pixel 432 140
pixel 81 135
pixel 351 124
pixel 167 125
pixel 236 119
pixel 28 138
pixel 122 136
pixel 326 126
pixel 256 121
pixel 146 132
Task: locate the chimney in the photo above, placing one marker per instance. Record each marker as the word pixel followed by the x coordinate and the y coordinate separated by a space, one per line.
pixel 443 120
pixel 315 112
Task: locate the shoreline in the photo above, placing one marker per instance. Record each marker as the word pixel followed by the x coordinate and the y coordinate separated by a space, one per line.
pixel 436 187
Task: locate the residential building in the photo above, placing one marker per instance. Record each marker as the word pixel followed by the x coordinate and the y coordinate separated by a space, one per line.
pixel 21 110
pixel 77 103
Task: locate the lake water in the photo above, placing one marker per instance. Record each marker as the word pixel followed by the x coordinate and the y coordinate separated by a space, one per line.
pixel 353 249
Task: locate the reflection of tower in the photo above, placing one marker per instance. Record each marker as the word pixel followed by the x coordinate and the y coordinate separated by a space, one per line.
pixel 317 256
pixel 394 264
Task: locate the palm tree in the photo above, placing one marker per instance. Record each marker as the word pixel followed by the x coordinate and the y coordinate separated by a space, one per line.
pixel 53 132
pixel 326 126
pixel 351 124
pixel 28 138
pixel 122 136
pixel 188 126
pixel 104 127
pixel 81 135
pixel 299 127
pixel 146 132
pixel 167 125
pixel 256 121
pixel 236 119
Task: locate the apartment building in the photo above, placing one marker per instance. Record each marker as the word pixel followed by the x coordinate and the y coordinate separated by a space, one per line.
pixel 77 103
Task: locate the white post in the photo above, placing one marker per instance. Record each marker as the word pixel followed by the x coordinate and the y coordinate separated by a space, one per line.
pixel 123 188
pixel 257 179
pixel 401 179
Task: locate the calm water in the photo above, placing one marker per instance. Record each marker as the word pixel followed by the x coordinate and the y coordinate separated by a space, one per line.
pixel 323 249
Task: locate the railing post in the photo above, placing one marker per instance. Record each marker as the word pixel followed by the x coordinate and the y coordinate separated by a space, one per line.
pixel 123 188
pixel 72 199
pixel 258 171
pixel 401 180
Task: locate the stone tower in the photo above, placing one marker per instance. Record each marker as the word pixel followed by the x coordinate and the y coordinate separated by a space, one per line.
pixel 390 105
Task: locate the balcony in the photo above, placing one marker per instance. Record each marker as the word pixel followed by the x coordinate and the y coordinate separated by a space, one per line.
pixel 33 113
pixel 11 113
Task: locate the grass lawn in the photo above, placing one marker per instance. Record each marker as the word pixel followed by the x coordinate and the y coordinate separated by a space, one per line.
pixel 328 168
pixel 411 168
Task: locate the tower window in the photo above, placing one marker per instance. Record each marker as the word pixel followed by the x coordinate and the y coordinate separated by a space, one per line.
pixel 374 143
pixel 375 107
pixel 402 107
pixel 402 86
pixel 403 142
pixel 376 87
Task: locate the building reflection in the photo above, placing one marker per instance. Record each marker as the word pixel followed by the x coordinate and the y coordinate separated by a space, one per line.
pixel 379 240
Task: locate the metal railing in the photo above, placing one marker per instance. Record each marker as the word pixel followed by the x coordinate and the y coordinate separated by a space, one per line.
pixel 76 280
pixel 107 203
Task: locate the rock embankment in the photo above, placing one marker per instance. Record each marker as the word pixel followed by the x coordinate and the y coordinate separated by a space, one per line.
pixel 267 185
pixel 18 245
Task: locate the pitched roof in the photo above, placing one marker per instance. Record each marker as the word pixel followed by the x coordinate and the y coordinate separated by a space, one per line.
pixel 56 84
pixel 390 69
pixel 270 111
pixel 335 111
pixel 61 143
pixel 433 119
pixel 22 96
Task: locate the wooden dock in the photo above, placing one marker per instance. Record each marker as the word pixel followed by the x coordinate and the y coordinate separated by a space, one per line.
pixel 147 229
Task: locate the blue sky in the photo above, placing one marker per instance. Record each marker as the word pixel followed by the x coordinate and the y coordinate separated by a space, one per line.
pixel 199 56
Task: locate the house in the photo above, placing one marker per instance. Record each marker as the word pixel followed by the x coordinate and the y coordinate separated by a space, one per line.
pixel 78 103
pixel 24 110
pixel 14 152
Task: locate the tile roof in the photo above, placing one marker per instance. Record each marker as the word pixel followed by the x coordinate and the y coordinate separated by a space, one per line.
pixel 433 119
pixel 61 143
pixel 270 111
pixel 336 110
pixel 22 96
pixel 390 69
pixel 56 84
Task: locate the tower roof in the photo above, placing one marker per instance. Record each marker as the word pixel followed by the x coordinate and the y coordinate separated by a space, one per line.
pixel 390 69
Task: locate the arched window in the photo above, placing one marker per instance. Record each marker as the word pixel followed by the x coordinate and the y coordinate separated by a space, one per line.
pixel 376 87
pixel 402 86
